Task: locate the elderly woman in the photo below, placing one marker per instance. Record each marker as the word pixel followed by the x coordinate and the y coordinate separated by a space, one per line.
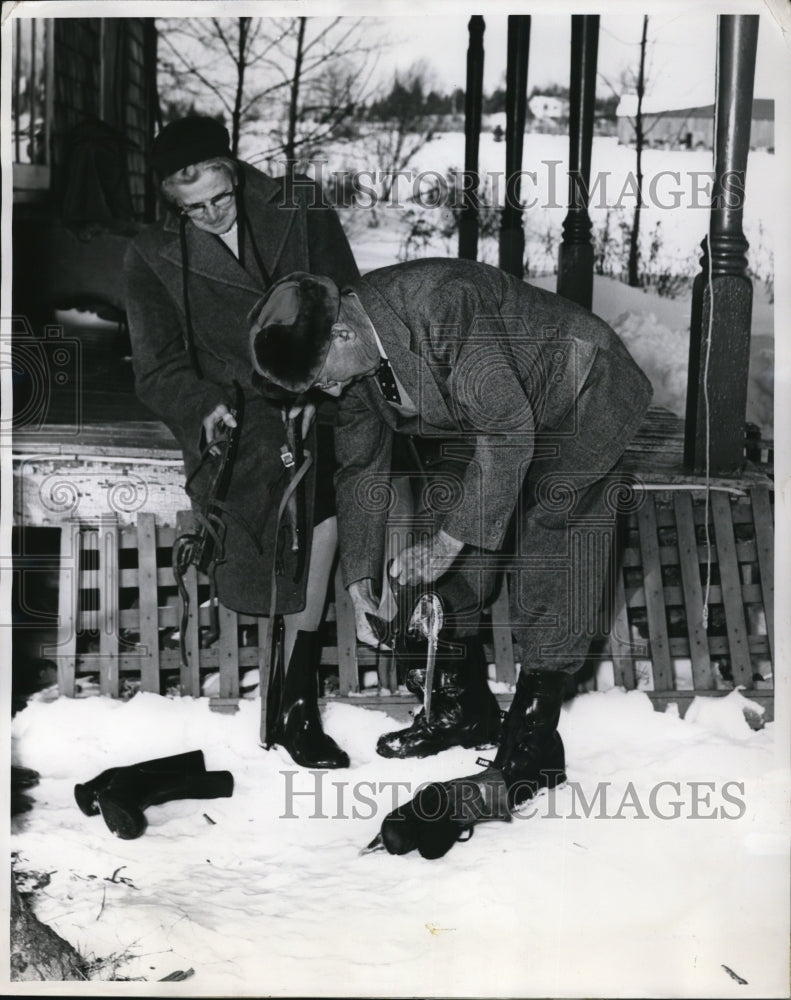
pixel 230 231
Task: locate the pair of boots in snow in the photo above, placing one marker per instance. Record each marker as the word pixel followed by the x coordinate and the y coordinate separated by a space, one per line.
pixel 121 794
pixel 530 754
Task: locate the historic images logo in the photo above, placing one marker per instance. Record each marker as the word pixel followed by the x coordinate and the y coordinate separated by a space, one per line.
pixel 310 795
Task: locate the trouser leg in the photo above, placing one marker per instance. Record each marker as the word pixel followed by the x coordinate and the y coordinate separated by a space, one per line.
pixel 563 568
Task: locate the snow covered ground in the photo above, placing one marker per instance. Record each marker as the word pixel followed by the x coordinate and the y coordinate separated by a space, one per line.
pixel 264 893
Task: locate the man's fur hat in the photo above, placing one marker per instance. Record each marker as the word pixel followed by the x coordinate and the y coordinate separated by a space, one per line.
pixel 291 330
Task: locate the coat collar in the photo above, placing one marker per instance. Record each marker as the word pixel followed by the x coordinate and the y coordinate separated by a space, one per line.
pixel 271 222
pixel 413 370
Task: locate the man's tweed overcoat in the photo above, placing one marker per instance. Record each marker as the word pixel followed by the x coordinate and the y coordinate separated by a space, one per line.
pixel 540 395
pixel 221 293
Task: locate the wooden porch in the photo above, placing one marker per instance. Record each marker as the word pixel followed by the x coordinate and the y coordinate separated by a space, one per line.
pixel 107 477
pixel 114 492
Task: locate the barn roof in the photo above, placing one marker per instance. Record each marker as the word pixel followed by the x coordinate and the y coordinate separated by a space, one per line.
pixel 763 109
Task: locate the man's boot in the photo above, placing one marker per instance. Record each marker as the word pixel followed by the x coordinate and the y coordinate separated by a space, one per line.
pixel 87 793
pixel 530 757
pixel 464 712
pixel 133 789
pixel 298 726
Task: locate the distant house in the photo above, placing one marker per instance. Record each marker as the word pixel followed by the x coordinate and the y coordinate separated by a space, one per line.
pixel 689 128
pixel 548 108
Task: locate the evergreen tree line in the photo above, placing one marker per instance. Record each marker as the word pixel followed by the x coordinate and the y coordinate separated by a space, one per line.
pixel 411 99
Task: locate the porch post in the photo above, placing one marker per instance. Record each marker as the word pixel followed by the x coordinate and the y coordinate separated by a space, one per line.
pixel 512 235
pixel 575 260
pixel 722 300
pixel 473 101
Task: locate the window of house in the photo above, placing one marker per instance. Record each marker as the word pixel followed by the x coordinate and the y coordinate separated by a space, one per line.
pixel 31 102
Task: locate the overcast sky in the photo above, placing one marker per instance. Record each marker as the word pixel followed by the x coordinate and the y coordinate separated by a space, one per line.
pixel 682 51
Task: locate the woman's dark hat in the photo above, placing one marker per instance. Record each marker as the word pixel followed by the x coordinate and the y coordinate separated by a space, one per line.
pixel 291 330
pixel 188 141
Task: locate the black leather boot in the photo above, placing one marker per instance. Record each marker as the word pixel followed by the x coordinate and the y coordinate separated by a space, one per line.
pixel 464 712
pixel 298 727
pixel 530 757
pixel 133 789
pixel 87 793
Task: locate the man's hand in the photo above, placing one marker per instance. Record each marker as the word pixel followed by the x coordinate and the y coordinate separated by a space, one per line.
pixel 219 417
pixel 308 411
pixel 362 595
pixel 426 561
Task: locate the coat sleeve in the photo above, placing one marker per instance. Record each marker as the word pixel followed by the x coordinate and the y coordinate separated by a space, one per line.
pixel 498 419
pixel 363 448
pixel 164 377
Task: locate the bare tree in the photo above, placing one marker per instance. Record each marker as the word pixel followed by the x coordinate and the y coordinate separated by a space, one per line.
pixel 633 267
pixel 294 82
pixel 637 83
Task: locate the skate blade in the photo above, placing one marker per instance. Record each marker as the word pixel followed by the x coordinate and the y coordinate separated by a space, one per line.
pixel 377 844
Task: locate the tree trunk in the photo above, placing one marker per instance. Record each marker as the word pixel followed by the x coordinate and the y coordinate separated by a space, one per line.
pixel 37 952
pixel 634 236
pixel 241 66
pixel 293 104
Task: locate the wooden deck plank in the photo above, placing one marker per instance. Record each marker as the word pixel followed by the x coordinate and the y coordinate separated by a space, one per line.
pixel 504 663
pixel 621 646
pixel 764 543
pixel 147 579
pixel 228 653
pixel 263 653
pixel 109 674
pixel 730 583
pixel 654 597
pixel 348 675
pixel 68 605
pixel 693 592
pixel 189 674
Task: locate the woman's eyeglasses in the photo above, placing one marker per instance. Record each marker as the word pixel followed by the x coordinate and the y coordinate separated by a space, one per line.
pixel 221 200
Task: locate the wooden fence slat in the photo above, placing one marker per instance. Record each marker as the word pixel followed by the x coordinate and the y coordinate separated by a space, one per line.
pixel 702 674
pixel 621 648
pixel 504 663
pixel 730 584
pixel 262 658
pixel 764 543
pixel 228 649
pixel 109 674
pixel 348 676
pixel 654 596
pixel 189 675
pixel 148 601
pixel 68 606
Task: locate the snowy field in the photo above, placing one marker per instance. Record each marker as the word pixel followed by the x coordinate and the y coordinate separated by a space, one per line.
pixel 655 328
pixel 266 894
pixel 676 189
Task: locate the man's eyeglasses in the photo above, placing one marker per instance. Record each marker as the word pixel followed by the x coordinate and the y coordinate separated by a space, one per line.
pixel 221 200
